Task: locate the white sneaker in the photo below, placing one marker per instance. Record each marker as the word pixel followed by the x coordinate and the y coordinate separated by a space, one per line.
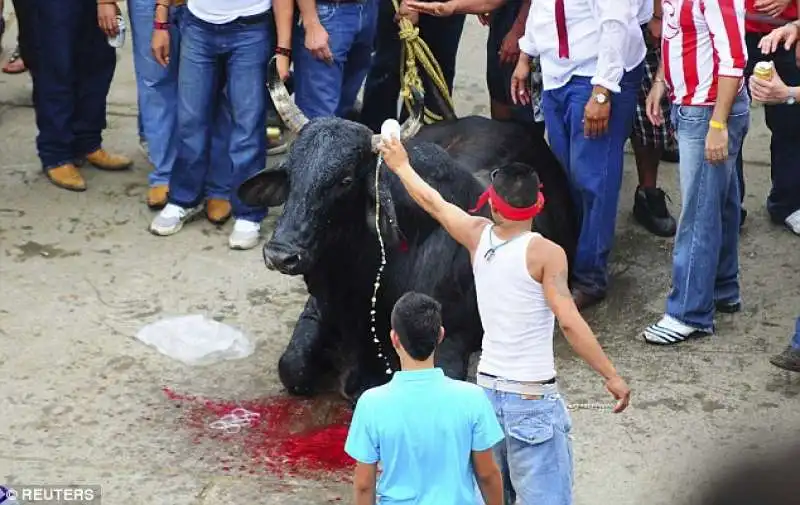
pixel 171 219
pixel 245 234
pixel 793 222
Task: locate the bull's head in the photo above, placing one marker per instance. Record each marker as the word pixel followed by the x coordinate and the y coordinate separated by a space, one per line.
pixel 326 181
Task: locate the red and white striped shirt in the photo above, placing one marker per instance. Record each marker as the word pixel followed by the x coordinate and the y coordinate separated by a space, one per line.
pixel 701 40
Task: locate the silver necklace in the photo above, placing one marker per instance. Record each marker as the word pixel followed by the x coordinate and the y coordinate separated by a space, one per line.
pixel 493 248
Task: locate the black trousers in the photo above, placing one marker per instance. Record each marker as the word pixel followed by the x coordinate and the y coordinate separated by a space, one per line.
pixel 23 9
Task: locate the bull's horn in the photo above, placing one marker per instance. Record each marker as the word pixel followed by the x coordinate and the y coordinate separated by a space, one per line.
pixel 410 126
pixel 292 116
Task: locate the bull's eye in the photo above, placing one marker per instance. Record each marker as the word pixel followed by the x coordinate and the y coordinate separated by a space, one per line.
pixel 347 181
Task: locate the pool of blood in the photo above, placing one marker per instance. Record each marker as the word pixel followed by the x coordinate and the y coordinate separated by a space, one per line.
pixel 292 437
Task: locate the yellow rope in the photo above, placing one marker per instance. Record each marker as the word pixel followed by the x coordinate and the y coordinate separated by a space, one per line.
pixel 415 49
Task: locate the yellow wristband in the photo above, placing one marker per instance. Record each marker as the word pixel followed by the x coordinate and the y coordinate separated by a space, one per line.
pixel 716 125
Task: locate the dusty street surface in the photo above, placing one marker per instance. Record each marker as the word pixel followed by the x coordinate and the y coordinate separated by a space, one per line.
pixel 83 401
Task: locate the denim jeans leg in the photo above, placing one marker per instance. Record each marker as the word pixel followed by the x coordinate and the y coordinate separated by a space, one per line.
pixel 796 338
pixel 783 122
pixel 157 90
pixel 247 73
pixel 95 66
pixel 55 36
pixel 500 452
pixel 318 85
pixel 198 81
pixel 220 172
pixel 382 86
pixel 539 449
pixel 595 168
pixel 359 58
pixel 705 253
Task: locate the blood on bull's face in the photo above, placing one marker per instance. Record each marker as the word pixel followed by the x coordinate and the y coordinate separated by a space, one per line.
pixel 326 181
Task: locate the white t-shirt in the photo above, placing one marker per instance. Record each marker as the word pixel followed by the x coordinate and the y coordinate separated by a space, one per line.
pixel 645 13
pixel 224 11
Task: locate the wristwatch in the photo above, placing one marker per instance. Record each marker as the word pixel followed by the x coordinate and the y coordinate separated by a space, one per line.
pixel 790 100
pixel 600 98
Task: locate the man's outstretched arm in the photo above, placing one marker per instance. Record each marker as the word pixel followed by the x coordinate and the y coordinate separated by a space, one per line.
pixel 463 227
pixel 575 329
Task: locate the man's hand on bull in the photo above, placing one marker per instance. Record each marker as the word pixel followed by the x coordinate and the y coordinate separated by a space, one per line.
pixel 438 9
pixel 394 154
pixel 317 42
pixel 520 81
pixel 596 114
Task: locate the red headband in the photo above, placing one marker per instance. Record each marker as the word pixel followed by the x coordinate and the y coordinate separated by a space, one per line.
pixel 506 210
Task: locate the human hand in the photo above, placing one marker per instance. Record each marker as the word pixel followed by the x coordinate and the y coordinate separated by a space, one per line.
pixel 509 49
pixel 520 84
pixel 654 29
pixel 283 64
pixel 317 42
pixel 717 145
pixel 620 391
pixel 394 154
pixel 653 103
pixel 159 43
pixel 771 7
pixel 438 9
pixel 405 12
pixel 596 115
pixel 772 91
pixel 787 34
pixel 107 19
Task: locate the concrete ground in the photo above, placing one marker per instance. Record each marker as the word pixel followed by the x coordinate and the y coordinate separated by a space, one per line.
pixel 83 399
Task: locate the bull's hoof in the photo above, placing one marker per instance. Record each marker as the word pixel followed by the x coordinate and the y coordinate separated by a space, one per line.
pixel 296 378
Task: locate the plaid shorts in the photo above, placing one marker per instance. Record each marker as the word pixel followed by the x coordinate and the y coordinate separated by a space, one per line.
pixel 645 132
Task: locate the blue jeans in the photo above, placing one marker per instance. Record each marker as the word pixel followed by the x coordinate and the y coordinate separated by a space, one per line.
pixel 795 343
pixel 157 94
pixel 382 88
pixel 236 53
pixel 535 457
pixel 331 90
pixel 594 167
pixel 70 91
pixel 705 257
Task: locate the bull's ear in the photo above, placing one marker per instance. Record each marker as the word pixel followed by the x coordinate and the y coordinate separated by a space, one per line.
pixel 268 188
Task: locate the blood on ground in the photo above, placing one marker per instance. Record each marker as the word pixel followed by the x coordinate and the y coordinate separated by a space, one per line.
pixel 292 437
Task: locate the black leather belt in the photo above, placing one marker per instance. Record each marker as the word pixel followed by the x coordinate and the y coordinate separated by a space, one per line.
pixel 254 19
pixel 548 381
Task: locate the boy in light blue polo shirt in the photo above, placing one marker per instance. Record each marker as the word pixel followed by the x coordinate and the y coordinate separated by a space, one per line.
pixel 432 435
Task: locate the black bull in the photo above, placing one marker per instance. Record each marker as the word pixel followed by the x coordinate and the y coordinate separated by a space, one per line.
pixel 326 233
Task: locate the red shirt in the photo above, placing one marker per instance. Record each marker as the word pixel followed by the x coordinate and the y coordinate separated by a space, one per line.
pixel 701 40
pixel 789 14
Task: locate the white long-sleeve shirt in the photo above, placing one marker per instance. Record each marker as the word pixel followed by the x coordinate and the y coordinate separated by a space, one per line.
pixel 701 40
pixel 645 12
pixel 605 40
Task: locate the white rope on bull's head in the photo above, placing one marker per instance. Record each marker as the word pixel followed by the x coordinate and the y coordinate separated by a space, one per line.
pixel 389 129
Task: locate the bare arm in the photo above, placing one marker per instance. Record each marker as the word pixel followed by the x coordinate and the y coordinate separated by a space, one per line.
pixel 308 12
pixel 522 17
pixel 464 228
pixel 476 6
pixel 284 16
pixel 364 482
pixel 487 473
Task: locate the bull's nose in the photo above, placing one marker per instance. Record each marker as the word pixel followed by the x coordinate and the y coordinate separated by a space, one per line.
pixel 285 259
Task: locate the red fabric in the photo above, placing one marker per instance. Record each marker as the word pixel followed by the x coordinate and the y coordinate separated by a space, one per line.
pixel 789 14
pixel 506 210
pixel 561 27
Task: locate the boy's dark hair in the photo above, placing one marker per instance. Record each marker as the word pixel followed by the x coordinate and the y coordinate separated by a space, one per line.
pixel 517 184
pixel 417 319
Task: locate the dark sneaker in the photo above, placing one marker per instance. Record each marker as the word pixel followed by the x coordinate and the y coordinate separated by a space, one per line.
pixel 728 307
pixel 742 217
pixel 789 359
pixel 650 210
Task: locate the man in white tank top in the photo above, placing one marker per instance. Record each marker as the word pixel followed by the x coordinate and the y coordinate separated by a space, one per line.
pixel 521 284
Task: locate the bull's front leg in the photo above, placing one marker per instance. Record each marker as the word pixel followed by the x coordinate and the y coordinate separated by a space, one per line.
pixel 303 362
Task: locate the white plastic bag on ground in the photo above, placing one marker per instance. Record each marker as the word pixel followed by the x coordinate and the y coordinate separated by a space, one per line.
pixel 196 340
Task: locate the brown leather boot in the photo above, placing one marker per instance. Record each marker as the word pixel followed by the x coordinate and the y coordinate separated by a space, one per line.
pixel 157 196
pixel 104 160
pixel 218 211
pixel 67 176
